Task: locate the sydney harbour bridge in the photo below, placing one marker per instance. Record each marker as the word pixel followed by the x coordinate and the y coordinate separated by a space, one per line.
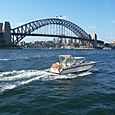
pixel 51 27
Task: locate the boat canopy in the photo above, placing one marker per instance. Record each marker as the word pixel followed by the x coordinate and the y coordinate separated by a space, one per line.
pixel 70 56
pixel 65 56
pixel 70 59
pixel 79 57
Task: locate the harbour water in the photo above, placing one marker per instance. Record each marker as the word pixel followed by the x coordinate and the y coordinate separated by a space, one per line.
pixel 27 89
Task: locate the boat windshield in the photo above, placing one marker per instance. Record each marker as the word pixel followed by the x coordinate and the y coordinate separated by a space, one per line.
pixel 66 59
pixel 69 60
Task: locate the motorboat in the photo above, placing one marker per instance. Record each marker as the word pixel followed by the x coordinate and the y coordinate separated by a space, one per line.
pixel 68 64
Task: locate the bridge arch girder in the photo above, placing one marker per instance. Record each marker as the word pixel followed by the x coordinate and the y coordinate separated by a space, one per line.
pixel 32 26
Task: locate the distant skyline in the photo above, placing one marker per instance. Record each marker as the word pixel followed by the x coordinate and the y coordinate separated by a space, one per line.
pixel 94 16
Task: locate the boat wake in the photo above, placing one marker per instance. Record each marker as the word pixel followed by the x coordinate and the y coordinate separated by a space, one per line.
pixel 19 58
pixel 12 79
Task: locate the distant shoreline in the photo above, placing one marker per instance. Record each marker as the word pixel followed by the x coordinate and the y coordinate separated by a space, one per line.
pixel 11 48
pixel 69 47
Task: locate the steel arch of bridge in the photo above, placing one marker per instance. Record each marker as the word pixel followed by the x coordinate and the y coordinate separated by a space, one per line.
pixel 20 32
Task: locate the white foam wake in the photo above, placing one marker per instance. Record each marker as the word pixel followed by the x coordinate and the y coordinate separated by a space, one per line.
pixel 19 58
pixel 12 79
pixel 4 59
pixel 14 75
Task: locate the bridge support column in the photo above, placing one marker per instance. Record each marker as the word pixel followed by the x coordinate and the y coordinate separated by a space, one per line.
pixel 95 41
pixel 7 33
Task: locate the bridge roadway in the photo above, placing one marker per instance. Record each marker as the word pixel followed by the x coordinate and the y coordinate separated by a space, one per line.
pixel 49 35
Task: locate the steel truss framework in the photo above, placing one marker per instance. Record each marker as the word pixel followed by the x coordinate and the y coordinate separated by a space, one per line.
pixel 32 26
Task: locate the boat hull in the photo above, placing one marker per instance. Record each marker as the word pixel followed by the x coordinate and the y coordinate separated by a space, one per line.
pixel 78 69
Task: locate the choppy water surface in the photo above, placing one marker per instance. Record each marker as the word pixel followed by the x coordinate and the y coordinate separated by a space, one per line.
pixel 26 88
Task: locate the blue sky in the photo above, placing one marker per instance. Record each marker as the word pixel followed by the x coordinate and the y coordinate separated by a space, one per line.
pixel 94 16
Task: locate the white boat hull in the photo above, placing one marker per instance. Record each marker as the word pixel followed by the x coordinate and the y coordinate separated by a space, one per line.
pixel 78 69
pixel 68 64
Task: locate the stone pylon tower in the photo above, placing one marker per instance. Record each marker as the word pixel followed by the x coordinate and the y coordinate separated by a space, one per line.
pixel 7 33
pixel 94 37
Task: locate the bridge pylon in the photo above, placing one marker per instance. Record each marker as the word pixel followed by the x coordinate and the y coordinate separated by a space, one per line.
pixel 5 34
